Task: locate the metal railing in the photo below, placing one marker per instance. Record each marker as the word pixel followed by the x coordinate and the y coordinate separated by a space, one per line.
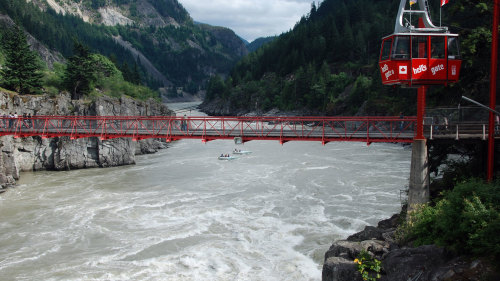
pixel 458 123
pixel 283 129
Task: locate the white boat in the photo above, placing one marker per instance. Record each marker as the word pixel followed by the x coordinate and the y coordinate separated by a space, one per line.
pixel 226 158
pixel 241 152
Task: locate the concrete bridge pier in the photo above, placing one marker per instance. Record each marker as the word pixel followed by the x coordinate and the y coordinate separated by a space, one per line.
pixel 419 175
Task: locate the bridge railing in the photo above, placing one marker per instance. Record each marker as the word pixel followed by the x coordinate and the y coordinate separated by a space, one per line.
pixel 459 114
pixel 283 129
pixel 461 130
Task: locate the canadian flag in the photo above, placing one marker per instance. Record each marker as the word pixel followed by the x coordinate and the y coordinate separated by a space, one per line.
pixel 444 2
pixel 403 69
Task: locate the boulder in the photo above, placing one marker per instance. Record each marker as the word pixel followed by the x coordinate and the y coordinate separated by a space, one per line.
pixel 384 230
pixel 370 232
pixel 397 263
pixel 340 269
pixel 389 223
pixel 339 259
pixel 406 263
pixel 344 249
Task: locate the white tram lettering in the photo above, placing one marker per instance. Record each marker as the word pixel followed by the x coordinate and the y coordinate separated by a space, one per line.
pixel 389 74
pixel 420 69
pixel 437 68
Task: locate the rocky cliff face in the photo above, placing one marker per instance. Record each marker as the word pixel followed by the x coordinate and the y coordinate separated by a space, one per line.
pixel 400 262
pixel 228 38
pixel 171 51
pixel 110 13
pixel 36 153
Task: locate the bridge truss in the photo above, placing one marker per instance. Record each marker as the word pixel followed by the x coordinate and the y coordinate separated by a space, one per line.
pixel 171 128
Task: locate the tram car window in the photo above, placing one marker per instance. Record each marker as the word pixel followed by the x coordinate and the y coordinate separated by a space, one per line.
pixel 402 47
pixel 386 49
pixel 437 47
pixel 419 47
pixel 453 51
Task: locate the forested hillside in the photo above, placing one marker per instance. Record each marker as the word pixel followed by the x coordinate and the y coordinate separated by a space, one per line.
pixel 259 42
pixel 328 63
pixel 157 38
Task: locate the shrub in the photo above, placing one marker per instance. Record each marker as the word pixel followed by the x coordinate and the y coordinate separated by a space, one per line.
pixel 54 79
pixel 466 220
pixel 368 266
pixel 115 86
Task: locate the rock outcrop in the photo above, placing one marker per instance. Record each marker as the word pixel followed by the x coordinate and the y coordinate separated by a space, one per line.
pixel 145 13
pixel 36 153
pixel 228 38
pixel 220 107
pixel 427 262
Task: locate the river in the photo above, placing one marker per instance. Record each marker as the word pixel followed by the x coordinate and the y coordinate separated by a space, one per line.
pixel 182 214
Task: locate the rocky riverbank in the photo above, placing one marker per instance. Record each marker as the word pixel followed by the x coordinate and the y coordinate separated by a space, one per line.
pixel 401 262
pixel 36 153
pixel 219 107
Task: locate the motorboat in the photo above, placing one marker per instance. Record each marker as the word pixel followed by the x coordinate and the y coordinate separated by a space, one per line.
pixel 240 152
pixel 226 157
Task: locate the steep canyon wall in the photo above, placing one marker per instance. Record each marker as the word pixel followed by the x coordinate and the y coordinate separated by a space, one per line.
pixel 62 153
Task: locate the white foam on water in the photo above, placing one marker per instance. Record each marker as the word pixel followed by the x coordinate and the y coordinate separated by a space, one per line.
pixel 182 214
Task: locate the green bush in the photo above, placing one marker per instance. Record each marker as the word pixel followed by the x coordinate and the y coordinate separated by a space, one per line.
pixel 368 266
pixel 466 220
pixel 54 79
pixel 115 86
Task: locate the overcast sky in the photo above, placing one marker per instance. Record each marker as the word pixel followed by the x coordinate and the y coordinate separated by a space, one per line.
pixel 250 19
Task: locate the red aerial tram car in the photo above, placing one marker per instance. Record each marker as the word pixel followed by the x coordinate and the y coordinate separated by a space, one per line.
pixel 423 55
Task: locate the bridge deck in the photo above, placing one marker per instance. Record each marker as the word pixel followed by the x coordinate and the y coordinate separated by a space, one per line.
pixel 283 129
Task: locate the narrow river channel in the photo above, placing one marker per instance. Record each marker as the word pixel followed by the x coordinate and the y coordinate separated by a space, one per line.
pixel 182 214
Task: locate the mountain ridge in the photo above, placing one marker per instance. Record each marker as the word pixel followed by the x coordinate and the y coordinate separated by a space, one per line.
pixel 328 64
pixel 117 12
pixel 182 55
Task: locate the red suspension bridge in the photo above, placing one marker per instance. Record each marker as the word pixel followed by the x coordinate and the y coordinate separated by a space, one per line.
pixel 170 128
pixel 282 129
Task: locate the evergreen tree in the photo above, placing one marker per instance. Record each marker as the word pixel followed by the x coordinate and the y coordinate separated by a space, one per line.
pixel 126 72
pixel 135 75
pixel 80 73
pixel 215 87
pixel 22 69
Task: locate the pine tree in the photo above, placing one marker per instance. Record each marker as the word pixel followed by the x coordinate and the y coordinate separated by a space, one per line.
pixel 126 72
pixel 135 75
pixel 80 73
pixel 22 69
